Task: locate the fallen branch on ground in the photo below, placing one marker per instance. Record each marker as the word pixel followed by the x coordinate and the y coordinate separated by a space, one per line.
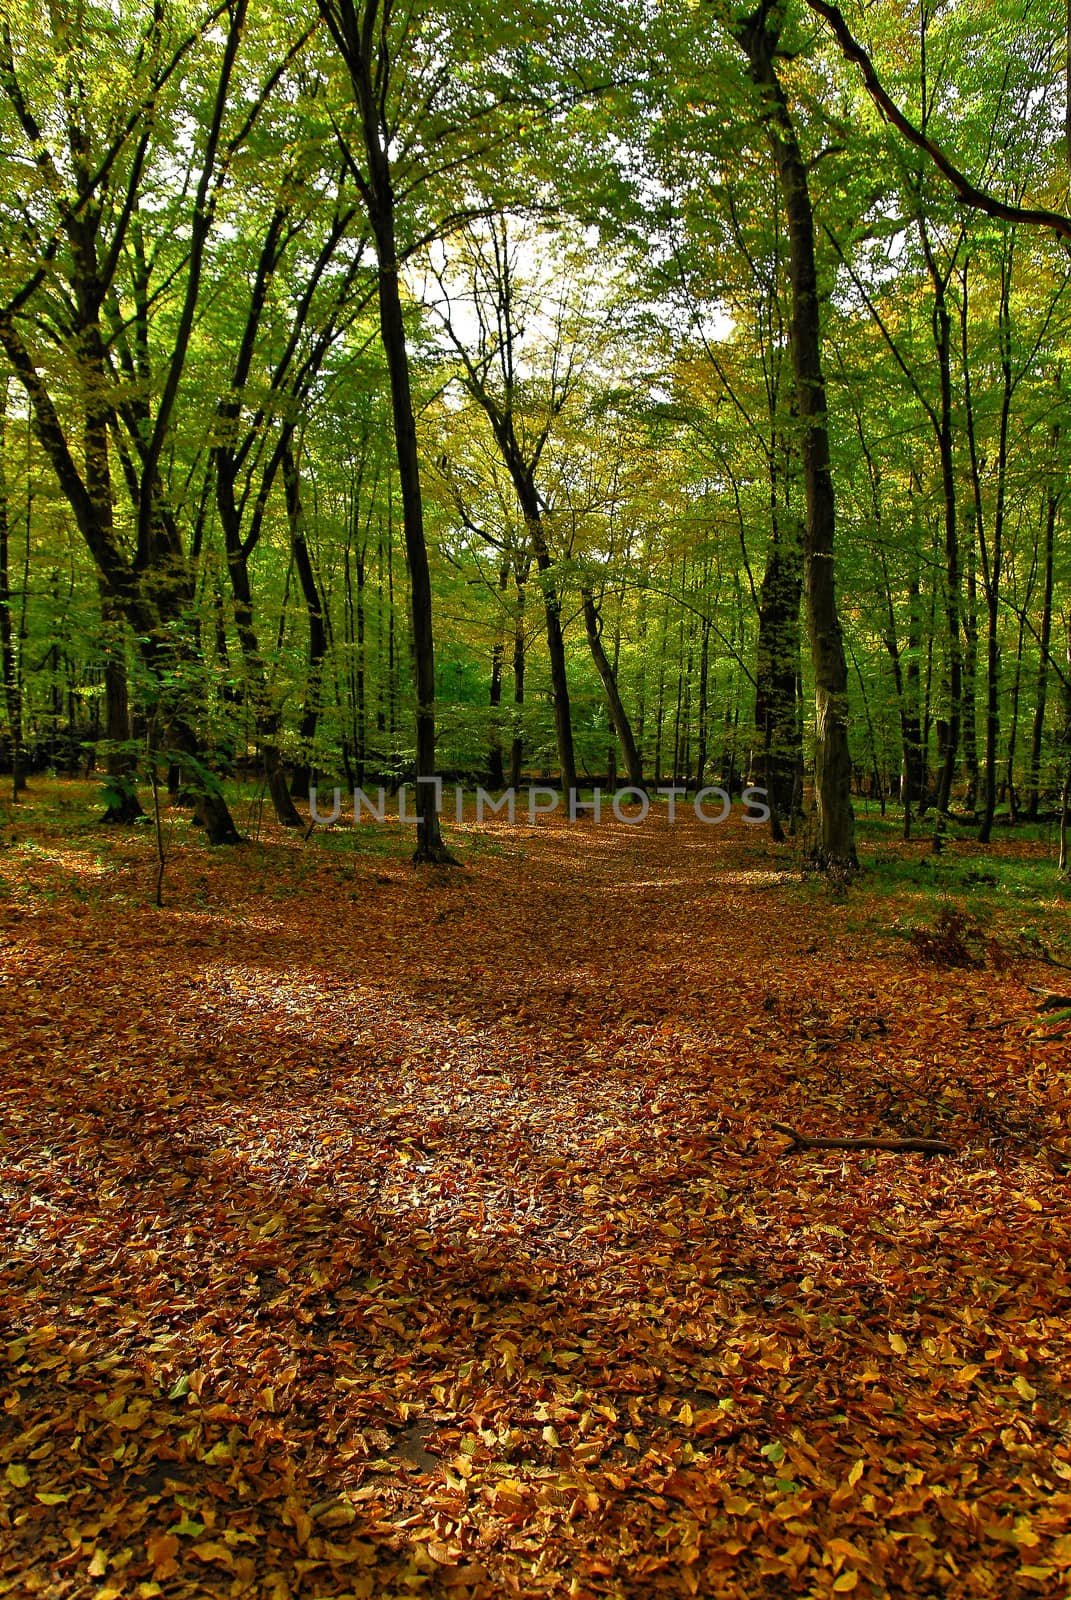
pixel 803 1141
pixel 1050 999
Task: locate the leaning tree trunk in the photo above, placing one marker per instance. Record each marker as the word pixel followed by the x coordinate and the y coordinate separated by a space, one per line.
pixel 559 681
pixel 835 845
pixel 314 609
pixel 618 714
pixel 552 607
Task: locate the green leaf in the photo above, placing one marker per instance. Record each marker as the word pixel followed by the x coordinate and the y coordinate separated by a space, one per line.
pixel 187 1527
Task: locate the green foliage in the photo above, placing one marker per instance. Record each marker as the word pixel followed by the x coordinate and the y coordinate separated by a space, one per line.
pixel 616 160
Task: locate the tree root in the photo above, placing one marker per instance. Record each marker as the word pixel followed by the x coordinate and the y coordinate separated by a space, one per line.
pixel 803 1141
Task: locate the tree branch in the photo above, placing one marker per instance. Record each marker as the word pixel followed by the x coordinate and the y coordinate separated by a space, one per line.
pixel 968 192
pixel 802 1141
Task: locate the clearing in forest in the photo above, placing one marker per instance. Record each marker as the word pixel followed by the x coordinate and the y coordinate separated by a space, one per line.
pixel 379 1232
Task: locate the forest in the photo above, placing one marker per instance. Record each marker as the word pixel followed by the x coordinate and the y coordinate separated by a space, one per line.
pixel 535 743
pixel 559 397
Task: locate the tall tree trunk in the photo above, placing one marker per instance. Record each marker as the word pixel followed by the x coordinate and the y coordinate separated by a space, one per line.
pixel 9 655
pixel 120 762
pixel 267 720
pixel 907 691
pixel 496 777
pixel 660 697
pixel 618 714
pixel 971 764
pixel 703 707
pixel 641 707
pixel 516 754
pixel 314 610
pixel 1064 747
pixel 835 845
pixel 777 668
pixel 1013 721
pixel 953 645
pixel 1044 643
pixel 552 608
pixel 430 846
pixel 362 44
pixel 993 556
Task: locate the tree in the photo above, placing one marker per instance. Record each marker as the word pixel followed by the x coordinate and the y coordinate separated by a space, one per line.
pixel 93 144
pixel 758 36
pixel 372 44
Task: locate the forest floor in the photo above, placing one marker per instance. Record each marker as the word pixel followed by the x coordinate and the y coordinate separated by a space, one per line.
pixel 381 1232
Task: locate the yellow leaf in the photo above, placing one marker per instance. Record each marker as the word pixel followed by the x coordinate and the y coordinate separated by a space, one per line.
pixel 99 1564
pixel 856 1473
pixel 1027 1390
pixel 967 1375
pixel 844 1550
pixel 337 1515
pixel 898 1343
pixel 846 1581
pixel 17 1475
pixel 212 1550
pixel 162 1548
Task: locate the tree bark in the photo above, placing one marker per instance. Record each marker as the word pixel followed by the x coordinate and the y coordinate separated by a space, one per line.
pixel 777 669
pixel 314 611
pixel 496 776
pixel 9 656
pixel 1044 643
pixel 516 754
pixel 618 714
pixel 953 645
pixel 267 720
pixel 993 565
pixel 362 42
pixel 835 844
pixel 552 608
pixel 120 764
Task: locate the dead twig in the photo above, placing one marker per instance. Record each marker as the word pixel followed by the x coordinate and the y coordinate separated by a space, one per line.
pixel 803 1141
pixel 1050 999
